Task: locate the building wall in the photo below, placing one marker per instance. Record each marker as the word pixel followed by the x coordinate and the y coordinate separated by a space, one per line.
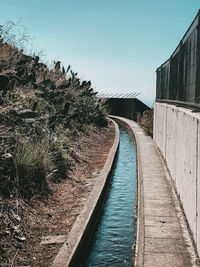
pixel 122 107
pixel 127 107
pixel 177 135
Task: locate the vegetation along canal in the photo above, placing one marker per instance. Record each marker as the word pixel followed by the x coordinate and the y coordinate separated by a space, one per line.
pixel 115 235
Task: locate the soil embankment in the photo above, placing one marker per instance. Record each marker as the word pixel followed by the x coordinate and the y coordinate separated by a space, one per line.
pixel 54 138
pixel 53 215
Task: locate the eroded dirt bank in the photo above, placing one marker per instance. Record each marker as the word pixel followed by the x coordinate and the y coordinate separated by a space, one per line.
pixel 24 224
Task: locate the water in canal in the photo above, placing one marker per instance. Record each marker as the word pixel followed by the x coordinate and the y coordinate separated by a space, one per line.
pixel 113 241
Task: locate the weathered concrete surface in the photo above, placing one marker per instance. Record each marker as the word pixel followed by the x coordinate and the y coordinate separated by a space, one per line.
pixel 77 240
pixel 177 135
pixel 162 236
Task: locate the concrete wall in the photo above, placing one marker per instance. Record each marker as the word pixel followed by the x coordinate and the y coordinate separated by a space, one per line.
pixel 122 107
pixel 177 135
pixel 127 107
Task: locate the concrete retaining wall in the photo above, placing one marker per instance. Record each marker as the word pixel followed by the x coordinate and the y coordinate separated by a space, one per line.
pixel 177 135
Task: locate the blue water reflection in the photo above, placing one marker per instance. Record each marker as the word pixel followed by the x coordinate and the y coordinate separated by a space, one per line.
pixel 115 235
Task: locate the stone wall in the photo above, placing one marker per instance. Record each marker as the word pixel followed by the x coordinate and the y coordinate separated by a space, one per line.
pixel 177 135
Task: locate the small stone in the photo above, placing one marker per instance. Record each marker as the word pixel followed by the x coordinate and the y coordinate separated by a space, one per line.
pixel 46 240
pixel 15 216
pixel 26 113
pixel 22 239
pixel 7 156
pixel 16 229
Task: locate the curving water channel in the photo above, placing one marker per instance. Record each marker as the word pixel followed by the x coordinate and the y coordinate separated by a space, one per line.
pixel 113 241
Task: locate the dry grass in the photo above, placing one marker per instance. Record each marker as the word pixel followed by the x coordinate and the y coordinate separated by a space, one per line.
pixel 40 104
pixel 146 122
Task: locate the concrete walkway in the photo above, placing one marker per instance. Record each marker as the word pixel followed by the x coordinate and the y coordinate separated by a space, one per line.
pixel 162 238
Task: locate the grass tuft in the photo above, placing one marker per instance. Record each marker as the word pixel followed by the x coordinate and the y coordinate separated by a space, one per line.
pixel 32 163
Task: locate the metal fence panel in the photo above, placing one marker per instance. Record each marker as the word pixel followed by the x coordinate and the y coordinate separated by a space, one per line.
pixel 178 79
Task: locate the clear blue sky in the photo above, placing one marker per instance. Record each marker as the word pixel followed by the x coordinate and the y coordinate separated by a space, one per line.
pixel 117 44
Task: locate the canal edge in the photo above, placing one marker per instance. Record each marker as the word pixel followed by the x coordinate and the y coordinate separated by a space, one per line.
pixel 138 259
pixel 70 251
pixel 188 256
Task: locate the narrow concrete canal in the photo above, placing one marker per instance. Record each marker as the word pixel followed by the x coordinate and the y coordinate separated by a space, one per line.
pixel 114 238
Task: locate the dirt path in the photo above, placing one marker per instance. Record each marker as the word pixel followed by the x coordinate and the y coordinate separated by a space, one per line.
pixel 55 214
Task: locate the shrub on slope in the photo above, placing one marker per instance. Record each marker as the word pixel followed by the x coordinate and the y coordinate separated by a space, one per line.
pixel 41 112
